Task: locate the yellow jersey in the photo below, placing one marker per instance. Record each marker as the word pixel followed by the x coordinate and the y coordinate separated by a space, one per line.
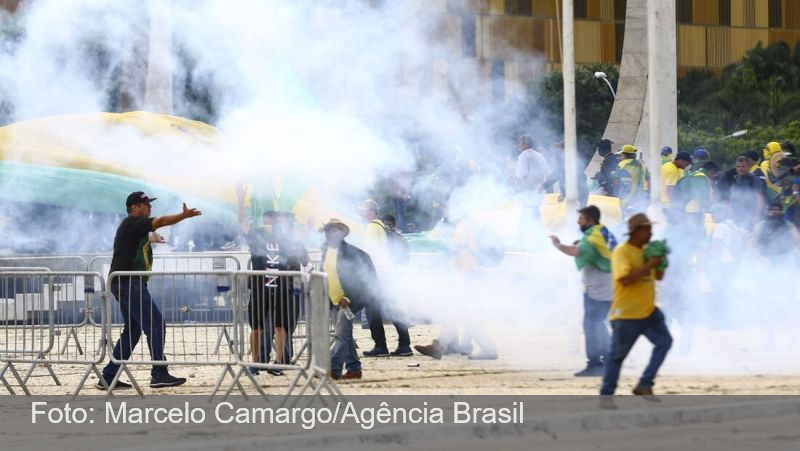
pixel 335 289
pixel 637 300
pixel 670 174
pixel 375 234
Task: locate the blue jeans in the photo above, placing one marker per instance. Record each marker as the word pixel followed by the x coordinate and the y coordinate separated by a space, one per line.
pixel 344 346
pixel 140 315
pixel 595 330
pixel 625 332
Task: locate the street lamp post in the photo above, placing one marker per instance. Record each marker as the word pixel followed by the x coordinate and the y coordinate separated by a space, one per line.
pixel 736 134
pixel 604 77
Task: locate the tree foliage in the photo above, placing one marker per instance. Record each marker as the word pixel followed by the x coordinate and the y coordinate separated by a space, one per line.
pixel 592 98
pixel 760 94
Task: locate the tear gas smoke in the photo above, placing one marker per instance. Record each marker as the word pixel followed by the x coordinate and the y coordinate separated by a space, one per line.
pixel 331 95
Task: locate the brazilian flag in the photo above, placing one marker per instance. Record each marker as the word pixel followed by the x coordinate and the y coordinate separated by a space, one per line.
pixel 595 248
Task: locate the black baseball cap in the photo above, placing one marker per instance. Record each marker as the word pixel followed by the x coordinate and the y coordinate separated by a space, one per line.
pixel 604 144
pixel 685 156
pixel 138 197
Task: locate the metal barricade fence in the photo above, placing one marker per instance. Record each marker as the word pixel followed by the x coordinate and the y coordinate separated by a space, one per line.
pixel 273 306
pixel 277 305
pixel 174 340
pixel 40 317
pixel 316 264
pixel 53 262
pixel 319 366
pixel 182 262
pixel 73 319
pixel 172 309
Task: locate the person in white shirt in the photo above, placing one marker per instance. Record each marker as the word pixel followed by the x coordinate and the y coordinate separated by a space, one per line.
pixel 530 174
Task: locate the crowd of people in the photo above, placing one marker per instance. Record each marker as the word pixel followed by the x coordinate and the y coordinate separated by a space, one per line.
pixel 753 234
pixel 753 205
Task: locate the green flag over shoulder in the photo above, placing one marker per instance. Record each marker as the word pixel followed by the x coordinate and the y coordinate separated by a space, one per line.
pixel 595 248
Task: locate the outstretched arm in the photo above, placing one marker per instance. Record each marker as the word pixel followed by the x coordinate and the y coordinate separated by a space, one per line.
pixel 163 221
pixel 572 251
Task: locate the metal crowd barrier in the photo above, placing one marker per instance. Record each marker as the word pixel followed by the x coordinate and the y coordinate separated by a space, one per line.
pixel 181 261
pixel 319 366
pixel 177 304
pixel 40 317
pixel 273 324
pixel 53 262
pixel 281 301
pixel 315 258
pixel 280 297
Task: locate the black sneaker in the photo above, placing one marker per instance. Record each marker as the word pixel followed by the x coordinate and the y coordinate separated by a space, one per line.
pixel 376 352
pixel 402 351
pixel 166 380
pixel 591 371
pixel 120 385
pixel 275 372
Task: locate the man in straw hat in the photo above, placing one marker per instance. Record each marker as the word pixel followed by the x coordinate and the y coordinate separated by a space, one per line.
pixel 352 285
pixel 633 309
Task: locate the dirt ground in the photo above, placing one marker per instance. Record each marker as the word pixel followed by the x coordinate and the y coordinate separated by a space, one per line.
pixel 531 362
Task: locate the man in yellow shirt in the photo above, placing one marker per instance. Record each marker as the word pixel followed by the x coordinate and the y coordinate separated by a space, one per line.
pixel 633 309
pixel 352 285
pixel 632 180
pixel 376 244
pixel 671 172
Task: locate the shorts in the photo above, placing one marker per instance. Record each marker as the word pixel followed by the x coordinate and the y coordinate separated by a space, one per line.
pixel 272 303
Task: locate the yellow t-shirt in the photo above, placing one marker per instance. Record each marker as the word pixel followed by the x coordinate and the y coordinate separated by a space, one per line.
pixel 375 235
pixel 335 290
pixel 637 300
pixel 670 174
pixel 376 244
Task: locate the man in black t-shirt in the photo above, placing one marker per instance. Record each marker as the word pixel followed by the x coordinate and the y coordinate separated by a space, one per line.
pixel 273 306
pixel 132 252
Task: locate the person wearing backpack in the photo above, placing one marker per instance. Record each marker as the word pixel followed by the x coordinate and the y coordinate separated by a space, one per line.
pixel 693 196
pixel 671 172
pixel 607 167
pixel 632 181
pixel 377 244
pixel 398 245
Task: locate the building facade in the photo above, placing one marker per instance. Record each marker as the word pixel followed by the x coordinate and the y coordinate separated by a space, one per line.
pixel 506 34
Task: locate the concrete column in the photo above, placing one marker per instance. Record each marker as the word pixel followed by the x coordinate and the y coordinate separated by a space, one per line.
pixel 662 91
pixel 630 103
pixel 570 133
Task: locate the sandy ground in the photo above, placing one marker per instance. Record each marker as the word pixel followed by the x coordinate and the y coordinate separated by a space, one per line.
pixel 532 362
